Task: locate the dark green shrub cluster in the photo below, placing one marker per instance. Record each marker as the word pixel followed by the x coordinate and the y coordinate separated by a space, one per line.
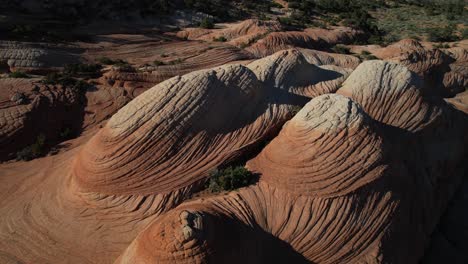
pixel 366 55
pixel 341 49
pixel 37 149
pixel 18 74
pixel 229 179
pixel 108 61
pixel 207 23
pixel 176 61
pixel 65 80
pixel 445 34
pixel 158 63
pixel 84 70
pixel 220 39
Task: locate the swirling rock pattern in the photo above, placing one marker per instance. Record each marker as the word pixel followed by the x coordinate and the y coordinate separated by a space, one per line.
pixel 239 34
pixel 290 70
pixel 332 166
pixel 347 179
pixel 311 38
pixel 31 57
pixel 445 73
pixel 28 108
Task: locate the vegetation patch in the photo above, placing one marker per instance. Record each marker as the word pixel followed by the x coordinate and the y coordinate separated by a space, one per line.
pixel 36 150
pixel 83 70
pixel 220 39
pixel 341 49
pixel 207 23
pixel 66 80
pixel 229 179
pixel 18 74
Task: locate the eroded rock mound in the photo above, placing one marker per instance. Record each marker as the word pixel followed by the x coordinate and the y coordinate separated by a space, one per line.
pixel 391 94
pixel 298 151
pixel 313 38
pixel 239 35
pixel 290 71
pixel 175 123
pixel 444 72
pixel 331 166
pixel 29 109
pixel 31 57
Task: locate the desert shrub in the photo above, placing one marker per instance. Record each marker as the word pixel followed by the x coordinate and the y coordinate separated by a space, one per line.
pixel 464 33
pixel 158 63
pixel 66 133
pixel 37 149
pixel 220 39
pixel 341 49
pixel 443 34
pixel 81 69
pixel 229 179
pixel 207 23
pixel 365 53
pixel 106 61
pixel 55 78
pixel 18 74
pixel 176 61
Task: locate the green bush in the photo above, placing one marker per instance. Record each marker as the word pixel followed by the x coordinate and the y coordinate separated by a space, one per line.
pixel 158 63
pixel 341 49
pixel 207 23
pixel 37 149
pixel 365 53
pixel 229 179
pixel 464 33
pixel 106 61
pixel 18 74
pixel 176 61
pixel 220 39
pixel 65 80
pixel 446 34
pixel 82 69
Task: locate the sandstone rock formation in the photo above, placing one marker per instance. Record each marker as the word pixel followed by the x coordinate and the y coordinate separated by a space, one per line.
pixel 445 73
pixel 333 165
pixel 32 57
pixel 290 70
pixel 312 38
pixel 28 109
pixel 240 34
pixel 360 176
pixel 148 76
pixel 176 121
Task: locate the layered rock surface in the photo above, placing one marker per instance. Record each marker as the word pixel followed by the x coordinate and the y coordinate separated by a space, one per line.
pixel 331 166
pixel 361 176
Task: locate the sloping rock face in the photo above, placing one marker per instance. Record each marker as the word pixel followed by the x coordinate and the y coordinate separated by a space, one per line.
pixel 87 204
pixel 177 132
pixel 291 71
pixel 32 57
pixel 149 76
pixel 28 109
pixel 342 183
pixel 193 116
pixel 238 35
pixel 445 73
pixel 312 38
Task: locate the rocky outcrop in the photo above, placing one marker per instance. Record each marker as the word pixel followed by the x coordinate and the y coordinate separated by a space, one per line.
pixel 444 72
pixel 335 164
pixel 312 38
pixel 240 34
pixel 32 57
pixel 29 109
pixel 179 119
pixel 148 76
